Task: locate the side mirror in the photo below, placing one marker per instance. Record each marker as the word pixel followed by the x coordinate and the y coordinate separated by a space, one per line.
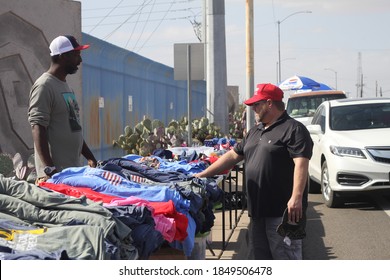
pixel 314 129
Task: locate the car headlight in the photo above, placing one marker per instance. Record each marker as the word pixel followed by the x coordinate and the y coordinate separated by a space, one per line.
pixel 347 152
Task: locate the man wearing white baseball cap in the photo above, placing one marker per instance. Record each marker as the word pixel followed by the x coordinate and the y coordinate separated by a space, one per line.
pixel 63 44
pixel 53 113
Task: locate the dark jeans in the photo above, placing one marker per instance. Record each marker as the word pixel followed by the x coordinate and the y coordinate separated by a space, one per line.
pixel 267 244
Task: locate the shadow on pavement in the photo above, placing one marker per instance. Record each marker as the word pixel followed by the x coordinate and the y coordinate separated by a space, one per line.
pixel 313 245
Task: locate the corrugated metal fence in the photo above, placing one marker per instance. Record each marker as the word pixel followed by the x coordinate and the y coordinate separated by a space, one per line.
pixel 121 87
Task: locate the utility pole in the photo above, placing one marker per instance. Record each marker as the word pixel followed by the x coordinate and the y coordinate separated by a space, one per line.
pixel 376 88
pixel 250 119
pixel 359 83
pixel 216 73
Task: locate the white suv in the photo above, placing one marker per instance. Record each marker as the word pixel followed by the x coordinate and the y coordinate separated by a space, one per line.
pixel 351 151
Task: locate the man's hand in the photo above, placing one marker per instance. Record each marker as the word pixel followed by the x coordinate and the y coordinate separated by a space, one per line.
pixel 41 180
pixel 92 163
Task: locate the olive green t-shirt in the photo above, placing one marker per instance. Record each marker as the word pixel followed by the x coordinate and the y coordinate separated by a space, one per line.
pixel 53 105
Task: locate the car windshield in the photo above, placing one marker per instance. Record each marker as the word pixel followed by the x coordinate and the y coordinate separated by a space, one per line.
pixel 305 106
pixel 360 116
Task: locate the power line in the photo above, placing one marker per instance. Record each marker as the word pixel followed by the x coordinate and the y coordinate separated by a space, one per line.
pixel 154 12
pixel 173 2
pixel 139 11
pixel 127 6
pixel 150 20
pixel 135 25
pixel 143 29
pixel 112 32
pixel 197 26
pixel 113 9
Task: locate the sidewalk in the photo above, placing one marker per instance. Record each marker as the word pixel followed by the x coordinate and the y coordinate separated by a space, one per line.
pixel 237 240
pixel 235 235
pixel 234 221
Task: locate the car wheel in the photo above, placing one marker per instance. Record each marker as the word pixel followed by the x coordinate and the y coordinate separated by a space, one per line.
pixel 313 186
pixel 330 198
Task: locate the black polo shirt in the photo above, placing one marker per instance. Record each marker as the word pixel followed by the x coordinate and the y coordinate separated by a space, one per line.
pixel 269 165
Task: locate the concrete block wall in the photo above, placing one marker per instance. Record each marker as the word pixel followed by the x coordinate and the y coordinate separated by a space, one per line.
pixel 26 29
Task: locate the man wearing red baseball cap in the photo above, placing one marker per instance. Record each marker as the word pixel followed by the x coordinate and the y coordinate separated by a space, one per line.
pixel 54 112
pixel 265 92
pixel 276 153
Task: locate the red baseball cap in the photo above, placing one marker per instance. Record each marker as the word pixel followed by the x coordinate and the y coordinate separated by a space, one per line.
pixel 265 92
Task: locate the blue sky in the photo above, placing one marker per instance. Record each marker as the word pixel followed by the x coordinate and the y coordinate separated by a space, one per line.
pixel 332 36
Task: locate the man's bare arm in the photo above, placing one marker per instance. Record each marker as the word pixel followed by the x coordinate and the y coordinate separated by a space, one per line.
pixel 226 161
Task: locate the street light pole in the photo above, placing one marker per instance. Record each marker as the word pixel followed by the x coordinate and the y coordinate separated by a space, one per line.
pixel 279 22
pixel 277 63
pixel 335 75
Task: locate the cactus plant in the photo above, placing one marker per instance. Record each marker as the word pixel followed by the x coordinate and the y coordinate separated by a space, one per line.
pixel 15 166
pixel 203 129
pixel 237 123
pixel 147 123
pixel 149 135
pixel 6 164
pixel 128 131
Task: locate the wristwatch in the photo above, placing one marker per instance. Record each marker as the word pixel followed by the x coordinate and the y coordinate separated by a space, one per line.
pixel 49 170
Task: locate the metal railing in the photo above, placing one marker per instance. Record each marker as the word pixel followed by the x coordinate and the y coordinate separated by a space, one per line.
pixel 233 203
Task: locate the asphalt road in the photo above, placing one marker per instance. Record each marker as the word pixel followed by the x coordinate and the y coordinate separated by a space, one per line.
pixel 360 230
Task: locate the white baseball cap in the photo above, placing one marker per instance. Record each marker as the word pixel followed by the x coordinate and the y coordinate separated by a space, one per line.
pixel 63 44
